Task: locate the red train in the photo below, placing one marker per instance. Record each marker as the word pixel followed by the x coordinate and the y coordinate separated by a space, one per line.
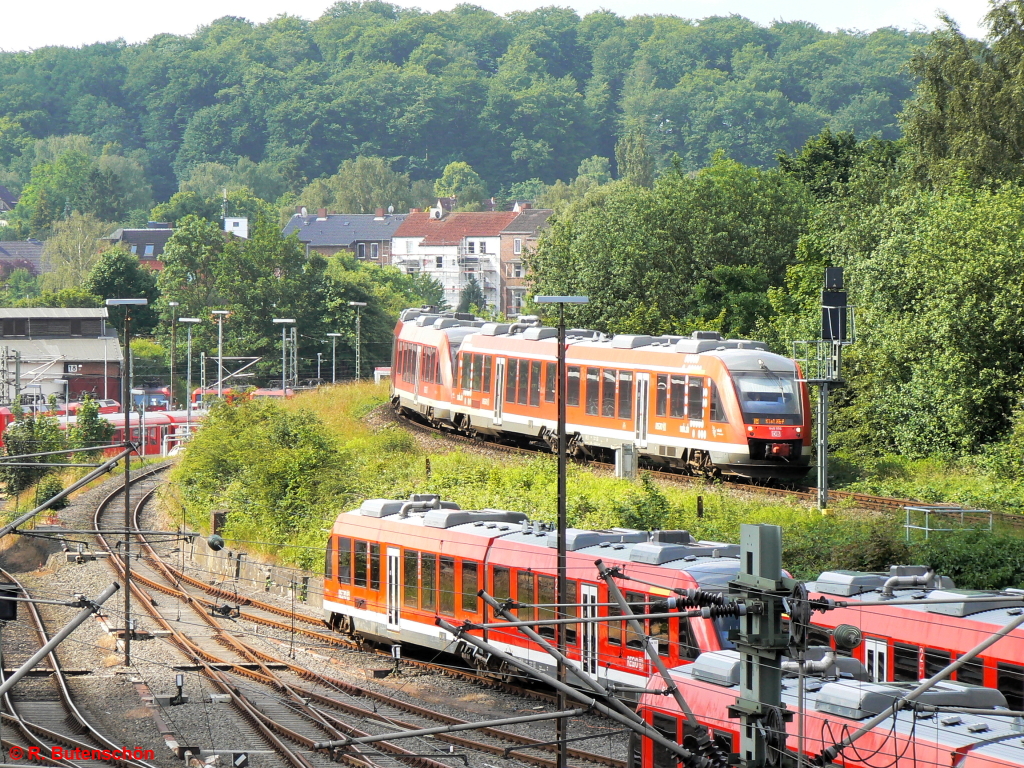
pixel 153 397
pixel 393 566
pixel 701 403
pixel 908 643
pixel 834 708
pixel 155 434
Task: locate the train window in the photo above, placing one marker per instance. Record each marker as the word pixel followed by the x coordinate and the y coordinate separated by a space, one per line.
pixel 344 561
pixel 677 396
pixel 511 374
pixel 625 394
pixel 608 393
pixel 535 382
pixel 466 368
pixel 636 600
pixel 1010 682
pixel 614 627
pixel 935 661
pixel 329 559
pixel 723 740
pixel 428 581
pixel 571 611
pixel 659 633
pixel 426 370
pixel 661 404
pixel 550 374
pixel 524 382
pixel 374 566
pixel 668 727
pixel 573 389
pixel 546 596
pixel 905 662
pixel 411 580
pixel 524 595
pixel 478 373
pixel 686 643
pixel 973 672
pixel 593 393
pixel 447 586
pixel 409 365
pixel 487 373
pixel 361 560
pixel 695 397
pixel 501 583
pixel 470 586
pixel 717 410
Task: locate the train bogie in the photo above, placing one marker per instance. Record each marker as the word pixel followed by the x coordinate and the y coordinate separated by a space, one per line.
pixel 702 404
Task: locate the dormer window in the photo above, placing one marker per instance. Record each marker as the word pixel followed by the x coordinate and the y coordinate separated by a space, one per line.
pixel 150 247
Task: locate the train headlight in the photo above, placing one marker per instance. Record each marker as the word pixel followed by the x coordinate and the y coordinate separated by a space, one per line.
pixel 799 431
pixel 750 430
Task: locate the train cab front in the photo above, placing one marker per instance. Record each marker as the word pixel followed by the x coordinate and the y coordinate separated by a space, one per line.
pixel 774 406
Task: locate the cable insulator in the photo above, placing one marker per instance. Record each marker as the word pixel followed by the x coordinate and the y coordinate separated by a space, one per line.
pixel 715 611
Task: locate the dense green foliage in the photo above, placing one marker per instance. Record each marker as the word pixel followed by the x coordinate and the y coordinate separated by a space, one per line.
pixel 531 94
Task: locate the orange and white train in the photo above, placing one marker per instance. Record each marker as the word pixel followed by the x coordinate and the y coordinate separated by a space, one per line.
pixel 699 403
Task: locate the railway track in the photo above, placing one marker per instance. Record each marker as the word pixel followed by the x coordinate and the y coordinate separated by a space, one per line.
pixel 41 713
pixel 289 706
pixel 862 500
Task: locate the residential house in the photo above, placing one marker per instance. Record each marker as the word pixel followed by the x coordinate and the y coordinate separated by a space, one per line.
pixel 452 247
pixel 21 254
pixel 148 244
pixel 519 237
pixel 364 235
pixel 7 199
pixel 55 346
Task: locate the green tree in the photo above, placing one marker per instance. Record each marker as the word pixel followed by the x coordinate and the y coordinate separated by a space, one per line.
pixel 119 275
pixel 29 433
pixel 71 251
pixel 636 166
pixel 90 428
pixel 460 181
pixel 472 298
pixel 367 183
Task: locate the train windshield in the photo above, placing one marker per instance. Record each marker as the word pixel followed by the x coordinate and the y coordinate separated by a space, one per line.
pixel 767 397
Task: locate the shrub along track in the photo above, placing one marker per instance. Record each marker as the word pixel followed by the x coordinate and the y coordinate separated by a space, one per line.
pixel 287 702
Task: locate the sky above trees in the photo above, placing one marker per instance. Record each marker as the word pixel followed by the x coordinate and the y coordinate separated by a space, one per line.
pixel 75 23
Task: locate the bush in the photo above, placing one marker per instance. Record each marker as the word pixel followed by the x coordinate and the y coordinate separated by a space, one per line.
pixel 974 559
pixel 49 487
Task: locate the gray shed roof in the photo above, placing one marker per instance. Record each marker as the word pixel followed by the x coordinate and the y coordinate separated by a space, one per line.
pixel 343 229
pixel 75 313
pixel 76 350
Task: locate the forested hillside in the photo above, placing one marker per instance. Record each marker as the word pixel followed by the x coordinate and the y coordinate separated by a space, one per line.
pixel 525 96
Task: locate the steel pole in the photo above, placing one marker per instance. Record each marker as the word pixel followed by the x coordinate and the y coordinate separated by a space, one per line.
pixel 334 360
pixel 188 385
pixel 174 349
pixel 359 349
pixel 284 361
pixel 127 496
pixel 220 355
pixel 823 445
pixel 561 727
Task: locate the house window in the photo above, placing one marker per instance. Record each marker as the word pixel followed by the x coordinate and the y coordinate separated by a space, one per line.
pixel 374 250
pixel 76 327
pixel 517 269
pixel 439 262
pixel 517 246
pixel 135 250
pixel 408 246
pixel 149 249
pixel 361 250
pixel 470 246
pixel 483 246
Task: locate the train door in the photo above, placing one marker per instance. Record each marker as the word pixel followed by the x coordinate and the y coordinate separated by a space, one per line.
pixel 499 388
pixel 876 654
pixel 588 648
pixel 394 587
pixel 643 382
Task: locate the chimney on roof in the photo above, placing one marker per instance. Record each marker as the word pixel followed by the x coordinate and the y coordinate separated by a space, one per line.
pixel 415 210
pixel 321 214
pixel 379 213
pixel 526 206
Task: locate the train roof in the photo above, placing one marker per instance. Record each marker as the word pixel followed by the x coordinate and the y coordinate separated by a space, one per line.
pixel 980 736
pixel 711 564
pixel 864 589
pixel 736 354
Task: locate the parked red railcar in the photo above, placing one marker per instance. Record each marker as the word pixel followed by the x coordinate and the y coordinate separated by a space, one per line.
pixel 833 708
pixel 393 566
pixel 155 433
pixel 701 403
pixel 154 397
pixel 907 643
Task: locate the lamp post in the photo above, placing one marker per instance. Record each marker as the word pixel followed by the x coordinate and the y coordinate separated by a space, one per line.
pixel 220 350
pixel 334 357
pixel 284 322
pixel 189 322
pixel 174 346
pixel 142 417
pixel 126 397
pixel 560 725
pixel 359 346
pixel 319 359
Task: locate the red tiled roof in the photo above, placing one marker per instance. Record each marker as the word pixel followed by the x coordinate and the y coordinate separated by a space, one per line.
pixel 452 229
